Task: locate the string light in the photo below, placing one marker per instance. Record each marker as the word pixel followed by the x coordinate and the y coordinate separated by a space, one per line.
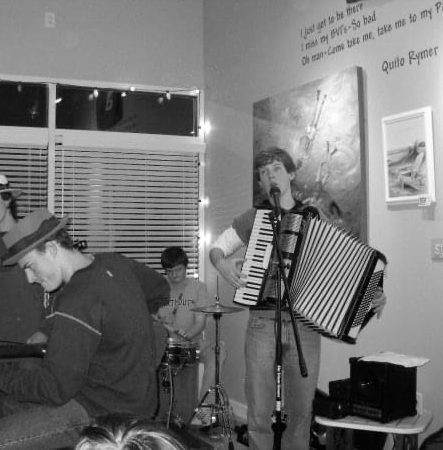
pixel 207 238
pixel 207 127
pixel 205 201
pixel 167 95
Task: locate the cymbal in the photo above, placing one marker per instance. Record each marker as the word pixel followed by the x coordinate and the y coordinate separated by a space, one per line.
pixel 217 308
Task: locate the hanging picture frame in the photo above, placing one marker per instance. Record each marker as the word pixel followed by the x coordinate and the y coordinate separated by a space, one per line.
pixel 409 157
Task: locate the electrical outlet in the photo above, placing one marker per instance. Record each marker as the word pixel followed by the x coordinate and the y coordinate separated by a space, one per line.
pixel 437 249
pixel 49 19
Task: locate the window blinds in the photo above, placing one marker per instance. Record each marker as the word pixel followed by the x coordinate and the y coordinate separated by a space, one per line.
pixel 26 169
pixel 133 202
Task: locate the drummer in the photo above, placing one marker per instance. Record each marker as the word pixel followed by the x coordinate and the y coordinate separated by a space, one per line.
pixel 186 326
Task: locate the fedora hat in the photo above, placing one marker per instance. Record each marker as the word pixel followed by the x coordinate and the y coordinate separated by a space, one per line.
pixel 28 233
pixel 4 187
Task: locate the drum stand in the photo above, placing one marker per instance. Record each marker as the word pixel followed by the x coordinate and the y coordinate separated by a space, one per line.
pixel 177 420
pixel 168 372
pixel 220 409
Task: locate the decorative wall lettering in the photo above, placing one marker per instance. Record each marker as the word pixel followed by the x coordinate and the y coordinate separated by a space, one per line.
pixel 355 26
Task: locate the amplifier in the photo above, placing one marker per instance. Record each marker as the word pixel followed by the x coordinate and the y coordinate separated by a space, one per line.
pixel 333 409
pixel 326 406
pixel 382 391
pixel 340 390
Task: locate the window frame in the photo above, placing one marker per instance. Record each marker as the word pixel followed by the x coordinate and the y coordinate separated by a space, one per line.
pixel 52 137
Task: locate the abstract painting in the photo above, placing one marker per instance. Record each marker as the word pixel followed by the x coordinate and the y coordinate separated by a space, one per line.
pixel 320 124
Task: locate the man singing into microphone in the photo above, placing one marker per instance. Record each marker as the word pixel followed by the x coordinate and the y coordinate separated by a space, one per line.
pixel 275 172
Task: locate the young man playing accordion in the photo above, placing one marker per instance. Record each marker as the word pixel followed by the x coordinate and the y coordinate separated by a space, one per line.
pixel 275 169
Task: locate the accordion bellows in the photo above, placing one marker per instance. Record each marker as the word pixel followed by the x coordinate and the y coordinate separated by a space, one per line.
pixel 332 276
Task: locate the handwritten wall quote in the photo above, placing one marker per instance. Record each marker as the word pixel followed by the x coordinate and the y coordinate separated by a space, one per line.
pixel 354 26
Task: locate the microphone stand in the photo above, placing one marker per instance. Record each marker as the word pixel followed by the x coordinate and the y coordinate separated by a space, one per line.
pixel 279 424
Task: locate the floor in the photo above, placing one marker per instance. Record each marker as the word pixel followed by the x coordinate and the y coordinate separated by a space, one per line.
pixel 214 438
pixel 218 441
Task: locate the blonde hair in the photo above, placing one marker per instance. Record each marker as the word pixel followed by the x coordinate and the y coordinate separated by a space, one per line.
pixel 126 432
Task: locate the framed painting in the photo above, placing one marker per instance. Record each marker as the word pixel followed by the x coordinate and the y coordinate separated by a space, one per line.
pixel 320 125
pixel 409 157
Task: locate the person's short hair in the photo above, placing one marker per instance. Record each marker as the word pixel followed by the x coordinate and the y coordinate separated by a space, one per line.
pixel 126 432
pixel 173 256
pixel 270 155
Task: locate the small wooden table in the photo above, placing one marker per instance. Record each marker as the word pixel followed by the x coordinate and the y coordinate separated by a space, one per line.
pixel 405 431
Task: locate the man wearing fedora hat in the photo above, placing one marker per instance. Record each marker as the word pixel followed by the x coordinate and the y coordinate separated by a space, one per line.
pixel 21 304
pixel 99 338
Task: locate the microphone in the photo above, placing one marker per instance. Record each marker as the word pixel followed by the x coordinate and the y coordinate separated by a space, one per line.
pixel 275 195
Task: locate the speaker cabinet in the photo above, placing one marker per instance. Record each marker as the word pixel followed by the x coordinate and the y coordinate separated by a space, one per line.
pixel 382 391
pixel 340 390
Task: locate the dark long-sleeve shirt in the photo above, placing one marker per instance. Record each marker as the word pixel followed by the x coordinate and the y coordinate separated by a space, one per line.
pixel 100 348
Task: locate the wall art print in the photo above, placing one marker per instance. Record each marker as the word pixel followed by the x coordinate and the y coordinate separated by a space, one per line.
pixel 409 157
pixel 320 124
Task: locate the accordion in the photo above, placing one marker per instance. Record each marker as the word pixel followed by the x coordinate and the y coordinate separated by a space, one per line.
pixel 332 276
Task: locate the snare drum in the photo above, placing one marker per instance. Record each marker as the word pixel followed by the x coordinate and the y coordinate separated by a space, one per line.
pixel 178 353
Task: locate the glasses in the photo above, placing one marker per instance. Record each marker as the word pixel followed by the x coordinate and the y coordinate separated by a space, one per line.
pixel 5 196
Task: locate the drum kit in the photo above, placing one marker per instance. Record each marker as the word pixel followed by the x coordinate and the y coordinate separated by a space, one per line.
pixel 185 354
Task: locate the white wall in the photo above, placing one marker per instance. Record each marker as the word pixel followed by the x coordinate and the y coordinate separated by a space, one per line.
pixel 252 50
pixel 155 42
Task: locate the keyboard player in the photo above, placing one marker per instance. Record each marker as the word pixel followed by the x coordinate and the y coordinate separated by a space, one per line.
pixel 274 169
